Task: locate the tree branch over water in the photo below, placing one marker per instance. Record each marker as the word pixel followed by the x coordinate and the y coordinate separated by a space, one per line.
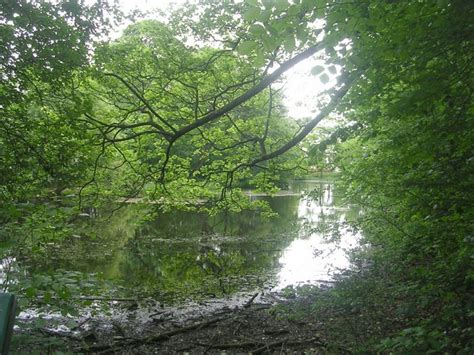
pixel 181 101
pixel 307 128
pixel 264 83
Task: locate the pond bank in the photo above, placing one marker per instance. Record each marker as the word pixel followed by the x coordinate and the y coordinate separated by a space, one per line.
pixel 254 326
pixel 352 314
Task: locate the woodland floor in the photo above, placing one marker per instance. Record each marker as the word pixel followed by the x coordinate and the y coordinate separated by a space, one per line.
pixel 252 330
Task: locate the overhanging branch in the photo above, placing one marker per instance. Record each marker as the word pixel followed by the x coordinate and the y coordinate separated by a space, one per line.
pixel 145 102
pixel 307 128
pixel 265 82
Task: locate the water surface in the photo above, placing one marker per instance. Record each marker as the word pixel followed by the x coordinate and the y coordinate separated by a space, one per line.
pixel 180 256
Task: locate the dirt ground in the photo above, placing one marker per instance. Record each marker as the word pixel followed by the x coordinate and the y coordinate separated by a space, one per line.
pixel 253 329
pixel 258 325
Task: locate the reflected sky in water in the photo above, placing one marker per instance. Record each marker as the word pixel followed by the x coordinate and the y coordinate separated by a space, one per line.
pixel 314 256
pixel 177 256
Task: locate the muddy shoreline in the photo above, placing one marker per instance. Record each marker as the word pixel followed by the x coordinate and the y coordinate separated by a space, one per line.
pixel 253 326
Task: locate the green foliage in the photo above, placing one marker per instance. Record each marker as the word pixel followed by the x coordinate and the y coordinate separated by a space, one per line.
pixel 44 46
pixel 46 41
pixel 157 85
pixel 407 160
pixel 409 166
pixel 185 113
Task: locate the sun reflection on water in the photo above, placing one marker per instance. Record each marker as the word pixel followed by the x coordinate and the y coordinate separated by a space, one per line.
pixel 314 256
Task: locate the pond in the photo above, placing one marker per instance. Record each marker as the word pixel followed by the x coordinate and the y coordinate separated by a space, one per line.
pixel 177 257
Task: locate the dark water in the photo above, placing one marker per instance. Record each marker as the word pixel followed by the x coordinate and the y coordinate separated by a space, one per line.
pixel 178 256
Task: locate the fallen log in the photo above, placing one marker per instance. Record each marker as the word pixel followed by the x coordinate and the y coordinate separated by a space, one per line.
pixel 79 325
pixel 250 301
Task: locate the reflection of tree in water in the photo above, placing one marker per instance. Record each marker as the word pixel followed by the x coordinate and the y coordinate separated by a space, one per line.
pixel 328 220
pixel 95 242
pixel 188 269
pixel 220 265
pixel 318 193
pixel 185 254
pixel 329 226
pixel 177 255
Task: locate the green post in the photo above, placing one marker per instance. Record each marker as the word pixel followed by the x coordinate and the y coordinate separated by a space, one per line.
pixel 7 318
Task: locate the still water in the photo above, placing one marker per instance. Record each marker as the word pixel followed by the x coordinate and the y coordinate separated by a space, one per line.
pixel 181 256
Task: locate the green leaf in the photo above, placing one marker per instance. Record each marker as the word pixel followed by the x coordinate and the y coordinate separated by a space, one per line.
pixel 252 14
pixel 259 58
pixel 358 61
pixel 30 292
pixel 246 47
pixel 293 10
pixel 307 5
pixel 282 5
pixel 268 3
pixel 290 44
pixel 257 29
pixel 324 78
pixel 252 2
pixel 47 297
pixel 269 42
pixel 301 34
pixel 317 69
